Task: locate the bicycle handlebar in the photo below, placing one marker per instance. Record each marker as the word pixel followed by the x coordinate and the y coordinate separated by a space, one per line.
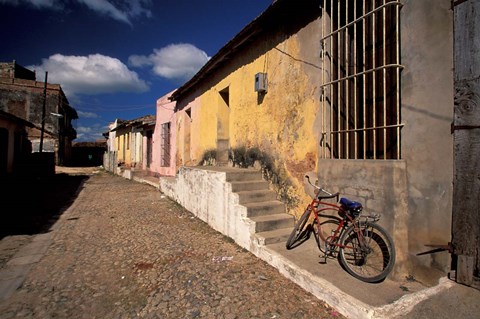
pixel 320 189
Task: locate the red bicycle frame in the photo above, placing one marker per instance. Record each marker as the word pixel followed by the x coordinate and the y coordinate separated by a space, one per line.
pixel 342 222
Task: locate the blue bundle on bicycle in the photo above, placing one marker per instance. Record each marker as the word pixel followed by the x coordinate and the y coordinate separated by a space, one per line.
pixel 350 206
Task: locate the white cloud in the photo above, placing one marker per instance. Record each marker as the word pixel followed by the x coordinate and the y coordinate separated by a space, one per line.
pixel 39 4
pixel 84 129
pixel 120 10
pixel 90 75
pixel 107 8
pixel 87 115
pixel 138 8
pixel 90 133
pixel 175 61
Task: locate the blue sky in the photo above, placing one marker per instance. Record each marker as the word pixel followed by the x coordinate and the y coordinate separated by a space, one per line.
pixel 115 58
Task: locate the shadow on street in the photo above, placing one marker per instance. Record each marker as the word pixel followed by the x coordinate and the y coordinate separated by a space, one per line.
pixel 31 206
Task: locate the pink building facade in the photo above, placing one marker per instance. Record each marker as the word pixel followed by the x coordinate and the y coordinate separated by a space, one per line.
pixel 162 139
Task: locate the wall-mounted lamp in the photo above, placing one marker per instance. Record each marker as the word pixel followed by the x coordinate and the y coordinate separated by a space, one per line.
pixel 57 115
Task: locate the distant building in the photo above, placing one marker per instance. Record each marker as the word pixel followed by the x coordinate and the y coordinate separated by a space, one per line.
pixel 132 150
pixel 88 154
pixel 23 97
pixel 144 144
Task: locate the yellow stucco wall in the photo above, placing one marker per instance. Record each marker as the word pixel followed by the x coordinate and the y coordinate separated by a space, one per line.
pixel 119 147
pixel 123 144
pixel 280 122
pixel 128 149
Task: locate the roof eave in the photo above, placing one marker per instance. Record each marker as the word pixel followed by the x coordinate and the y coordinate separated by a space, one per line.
pixel 244 36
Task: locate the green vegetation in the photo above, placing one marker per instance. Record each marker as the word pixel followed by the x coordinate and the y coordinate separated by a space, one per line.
pixel 209 158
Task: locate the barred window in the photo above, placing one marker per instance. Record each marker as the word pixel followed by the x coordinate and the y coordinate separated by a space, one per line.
pixel 165 145
pixel 360 91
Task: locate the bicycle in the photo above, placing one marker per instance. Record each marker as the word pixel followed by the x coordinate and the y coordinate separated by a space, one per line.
pixel 363 248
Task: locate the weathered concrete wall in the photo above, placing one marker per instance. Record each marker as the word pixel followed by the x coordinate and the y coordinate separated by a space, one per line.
pixel 381 186
pixel 427 144
pixel 13 70
pixel 110 161
pixel 220 209
pixel 24 99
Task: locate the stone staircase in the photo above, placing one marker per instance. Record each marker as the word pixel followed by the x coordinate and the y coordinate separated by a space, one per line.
pixel 272 223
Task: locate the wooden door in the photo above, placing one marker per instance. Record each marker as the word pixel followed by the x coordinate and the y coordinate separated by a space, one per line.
pixel 466 136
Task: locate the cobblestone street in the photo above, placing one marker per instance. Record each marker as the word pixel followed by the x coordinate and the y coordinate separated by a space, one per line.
pixel 124 250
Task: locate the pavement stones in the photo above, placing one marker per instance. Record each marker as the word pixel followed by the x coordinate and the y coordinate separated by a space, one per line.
pixel 13 273
pixel 124 250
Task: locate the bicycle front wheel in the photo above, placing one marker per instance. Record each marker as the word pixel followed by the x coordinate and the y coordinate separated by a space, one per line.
pixel 300 232
pixel 367 253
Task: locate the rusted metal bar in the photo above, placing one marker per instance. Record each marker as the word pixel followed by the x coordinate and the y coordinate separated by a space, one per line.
pixel 462 127
pixel 438 248
pixel 355 79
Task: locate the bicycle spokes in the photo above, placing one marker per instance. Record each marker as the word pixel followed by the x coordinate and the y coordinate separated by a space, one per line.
pixel 367 252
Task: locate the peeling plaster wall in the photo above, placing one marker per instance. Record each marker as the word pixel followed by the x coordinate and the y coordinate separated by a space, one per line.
pixel 188 120
pixel 283 122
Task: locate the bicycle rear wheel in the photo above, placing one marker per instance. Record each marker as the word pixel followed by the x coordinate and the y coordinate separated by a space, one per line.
pixel 300 232
pixel 372 262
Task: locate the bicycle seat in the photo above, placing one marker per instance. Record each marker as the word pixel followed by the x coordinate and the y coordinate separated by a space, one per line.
pixel 350 204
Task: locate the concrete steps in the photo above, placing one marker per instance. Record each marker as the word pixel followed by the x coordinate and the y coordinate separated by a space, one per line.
pixel 274 236
pixel 242 176
pixel 256 196
pixel 238 186
pixel 272 207
pixel 272 223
